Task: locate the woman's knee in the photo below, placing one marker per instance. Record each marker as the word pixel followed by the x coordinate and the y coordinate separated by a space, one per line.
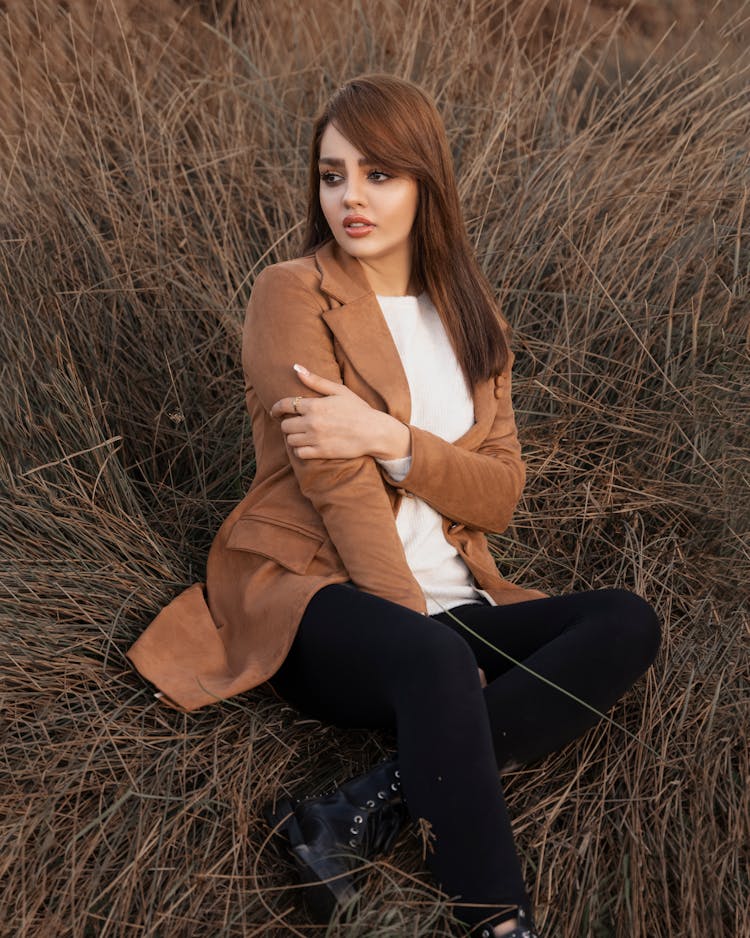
pixel 635 621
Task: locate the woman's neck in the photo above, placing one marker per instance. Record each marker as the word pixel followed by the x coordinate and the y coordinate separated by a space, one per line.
pixel 390 279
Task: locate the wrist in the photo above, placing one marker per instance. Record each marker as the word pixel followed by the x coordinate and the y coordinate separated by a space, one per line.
pixel 392 439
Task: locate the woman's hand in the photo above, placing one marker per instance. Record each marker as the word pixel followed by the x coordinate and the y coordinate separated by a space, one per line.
pixel 338 426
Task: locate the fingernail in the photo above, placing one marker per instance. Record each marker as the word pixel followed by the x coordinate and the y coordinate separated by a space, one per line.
pixel 301 369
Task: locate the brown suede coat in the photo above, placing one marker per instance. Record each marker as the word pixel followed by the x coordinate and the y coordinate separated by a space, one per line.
pixel 306 523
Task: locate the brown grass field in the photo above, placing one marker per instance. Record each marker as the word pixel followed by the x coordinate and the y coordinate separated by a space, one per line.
pixel 152 161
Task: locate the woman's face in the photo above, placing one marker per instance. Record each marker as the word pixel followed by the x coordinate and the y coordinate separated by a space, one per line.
pixel 370 212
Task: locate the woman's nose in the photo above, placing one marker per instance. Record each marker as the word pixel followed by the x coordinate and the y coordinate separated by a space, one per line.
pixel 353 193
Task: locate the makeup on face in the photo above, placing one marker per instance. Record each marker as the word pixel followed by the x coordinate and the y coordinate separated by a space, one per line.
pixel 369 210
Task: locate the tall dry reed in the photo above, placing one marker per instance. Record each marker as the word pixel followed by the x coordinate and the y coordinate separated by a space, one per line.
pixel 152 161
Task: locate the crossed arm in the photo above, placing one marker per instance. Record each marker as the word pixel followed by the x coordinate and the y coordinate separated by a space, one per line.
pixel 453 480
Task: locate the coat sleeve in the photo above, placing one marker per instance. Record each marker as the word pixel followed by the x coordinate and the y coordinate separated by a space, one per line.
pixel 284 325
pixel 478 488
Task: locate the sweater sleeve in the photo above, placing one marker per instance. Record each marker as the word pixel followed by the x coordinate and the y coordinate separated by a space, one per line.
pixel 283 325
pixel 396 468
pixel 480 488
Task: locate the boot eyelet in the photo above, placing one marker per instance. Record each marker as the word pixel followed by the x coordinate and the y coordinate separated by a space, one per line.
pixel 394 786
pixel 397 773
pixel 352 843
pixel 370 803
pixel 382 795
pixel 357 818
pixel 353 830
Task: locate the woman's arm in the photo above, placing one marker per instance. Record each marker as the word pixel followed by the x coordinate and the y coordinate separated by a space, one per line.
pixel 478 488
pixel 283 325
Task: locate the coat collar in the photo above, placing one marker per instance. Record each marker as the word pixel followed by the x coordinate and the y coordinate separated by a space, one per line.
pixel 341 275
pixel 359 325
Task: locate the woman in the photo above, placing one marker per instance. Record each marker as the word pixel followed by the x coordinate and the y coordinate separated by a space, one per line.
pixel 378 381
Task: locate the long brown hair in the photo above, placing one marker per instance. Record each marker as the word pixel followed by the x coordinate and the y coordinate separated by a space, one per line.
pixel 396 125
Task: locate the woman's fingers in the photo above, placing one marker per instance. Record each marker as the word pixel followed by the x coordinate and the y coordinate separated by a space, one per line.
pixel 316 382
pixel 338 424
pixel 285 406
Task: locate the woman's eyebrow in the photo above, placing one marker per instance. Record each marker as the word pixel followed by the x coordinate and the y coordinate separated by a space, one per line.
pixel 335 161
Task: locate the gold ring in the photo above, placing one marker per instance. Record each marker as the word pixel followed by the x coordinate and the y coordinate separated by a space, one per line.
pixel 295 402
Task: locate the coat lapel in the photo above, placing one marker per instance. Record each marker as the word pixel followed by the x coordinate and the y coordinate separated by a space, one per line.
pixel 357 321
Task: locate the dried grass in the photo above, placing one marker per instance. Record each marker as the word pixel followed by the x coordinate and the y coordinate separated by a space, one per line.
pixel 151 162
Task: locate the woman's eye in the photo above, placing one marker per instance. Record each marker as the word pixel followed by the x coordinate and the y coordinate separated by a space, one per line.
pixel 376 175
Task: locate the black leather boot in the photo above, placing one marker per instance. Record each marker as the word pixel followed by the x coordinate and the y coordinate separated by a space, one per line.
pixel 524 929
pixel 330 835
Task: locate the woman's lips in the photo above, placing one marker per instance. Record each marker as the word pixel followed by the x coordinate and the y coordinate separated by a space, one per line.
pixel 358 231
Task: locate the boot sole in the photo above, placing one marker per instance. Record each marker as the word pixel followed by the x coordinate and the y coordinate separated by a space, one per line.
pixel 324 886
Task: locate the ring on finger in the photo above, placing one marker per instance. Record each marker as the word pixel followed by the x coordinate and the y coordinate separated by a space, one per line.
pixel 295 402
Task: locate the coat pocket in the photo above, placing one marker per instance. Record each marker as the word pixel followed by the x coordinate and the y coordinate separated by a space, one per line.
pixel 290 546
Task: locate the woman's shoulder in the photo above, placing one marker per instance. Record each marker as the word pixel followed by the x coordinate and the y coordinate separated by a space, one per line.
pixel 301 271
pixel 288 285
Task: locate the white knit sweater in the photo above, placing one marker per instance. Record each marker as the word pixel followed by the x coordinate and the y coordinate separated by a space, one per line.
pixel 441 402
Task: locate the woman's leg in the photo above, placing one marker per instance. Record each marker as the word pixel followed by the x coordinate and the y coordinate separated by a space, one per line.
pixel 361 661
pixel 594 644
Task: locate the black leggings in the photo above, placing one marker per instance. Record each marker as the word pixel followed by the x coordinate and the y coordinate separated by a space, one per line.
pixel 361 661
